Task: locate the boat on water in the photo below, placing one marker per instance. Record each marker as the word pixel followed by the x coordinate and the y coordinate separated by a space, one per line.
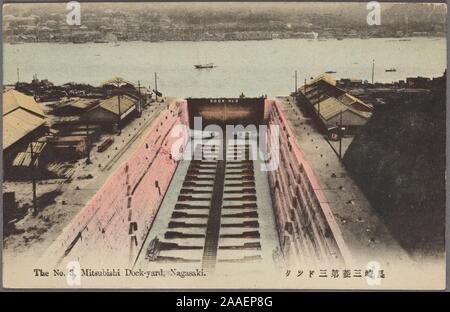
pixel 390 70
pixel 204 66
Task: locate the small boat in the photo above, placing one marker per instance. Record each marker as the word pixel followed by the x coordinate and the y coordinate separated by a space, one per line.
pixel 390 70
pixel 330 72
pixel 204 66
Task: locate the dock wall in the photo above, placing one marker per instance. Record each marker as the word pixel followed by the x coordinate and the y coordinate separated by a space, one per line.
pixel 112 226
pixel 307 230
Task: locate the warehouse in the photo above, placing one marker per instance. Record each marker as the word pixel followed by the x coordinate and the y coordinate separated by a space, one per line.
pixel 23 122
pixel 114 111
pixel 331 106
pixel 74 106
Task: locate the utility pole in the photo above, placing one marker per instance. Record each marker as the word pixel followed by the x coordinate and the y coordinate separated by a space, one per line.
pixel 295 90
pixel 88 143
pixel 33 178
pixel 117 83
pixel 373 69
pixel 341 133
pixel 156 87
pixel 35 86
pixel 118 122
pixel 140 99
pixel 318 101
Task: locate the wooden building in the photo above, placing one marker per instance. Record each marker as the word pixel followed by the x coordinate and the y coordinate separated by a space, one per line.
pixel 111 112
pixel 23 122
pixel 74 106
pixel 331 106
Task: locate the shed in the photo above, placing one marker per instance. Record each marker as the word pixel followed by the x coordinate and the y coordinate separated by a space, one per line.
pixel 328 104
pixel 23 122
pixel 109 111
pixel 74 106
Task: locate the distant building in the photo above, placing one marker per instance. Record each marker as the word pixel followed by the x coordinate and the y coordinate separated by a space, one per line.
pixel 306 35
pixel 74 106
pixel 440 82
pixel 71 139
pixel 418 82
pixel 118 85
pixel 23 122
pixel 109 113
pixel 350 83
pixel 331 106
pixel 250 35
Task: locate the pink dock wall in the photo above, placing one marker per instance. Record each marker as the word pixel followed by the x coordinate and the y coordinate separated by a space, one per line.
pixel 306 226
pixel 111 228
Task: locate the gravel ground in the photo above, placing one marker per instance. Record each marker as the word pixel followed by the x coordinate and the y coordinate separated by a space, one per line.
pixel 65 197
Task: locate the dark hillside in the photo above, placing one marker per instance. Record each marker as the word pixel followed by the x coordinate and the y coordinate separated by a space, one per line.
pixel 398 159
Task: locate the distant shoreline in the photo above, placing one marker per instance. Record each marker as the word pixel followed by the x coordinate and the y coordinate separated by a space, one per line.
pixel 401 39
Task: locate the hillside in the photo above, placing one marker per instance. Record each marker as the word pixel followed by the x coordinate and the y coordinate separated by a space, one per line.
pixel 398 160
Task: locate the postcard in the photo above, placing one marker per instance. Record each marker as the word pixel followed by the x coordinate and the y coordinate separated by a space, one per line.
pixel 224 145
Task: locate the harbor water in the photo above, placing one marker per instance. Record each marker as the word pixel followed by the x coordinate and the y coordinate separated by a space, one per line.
pixel 250 67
